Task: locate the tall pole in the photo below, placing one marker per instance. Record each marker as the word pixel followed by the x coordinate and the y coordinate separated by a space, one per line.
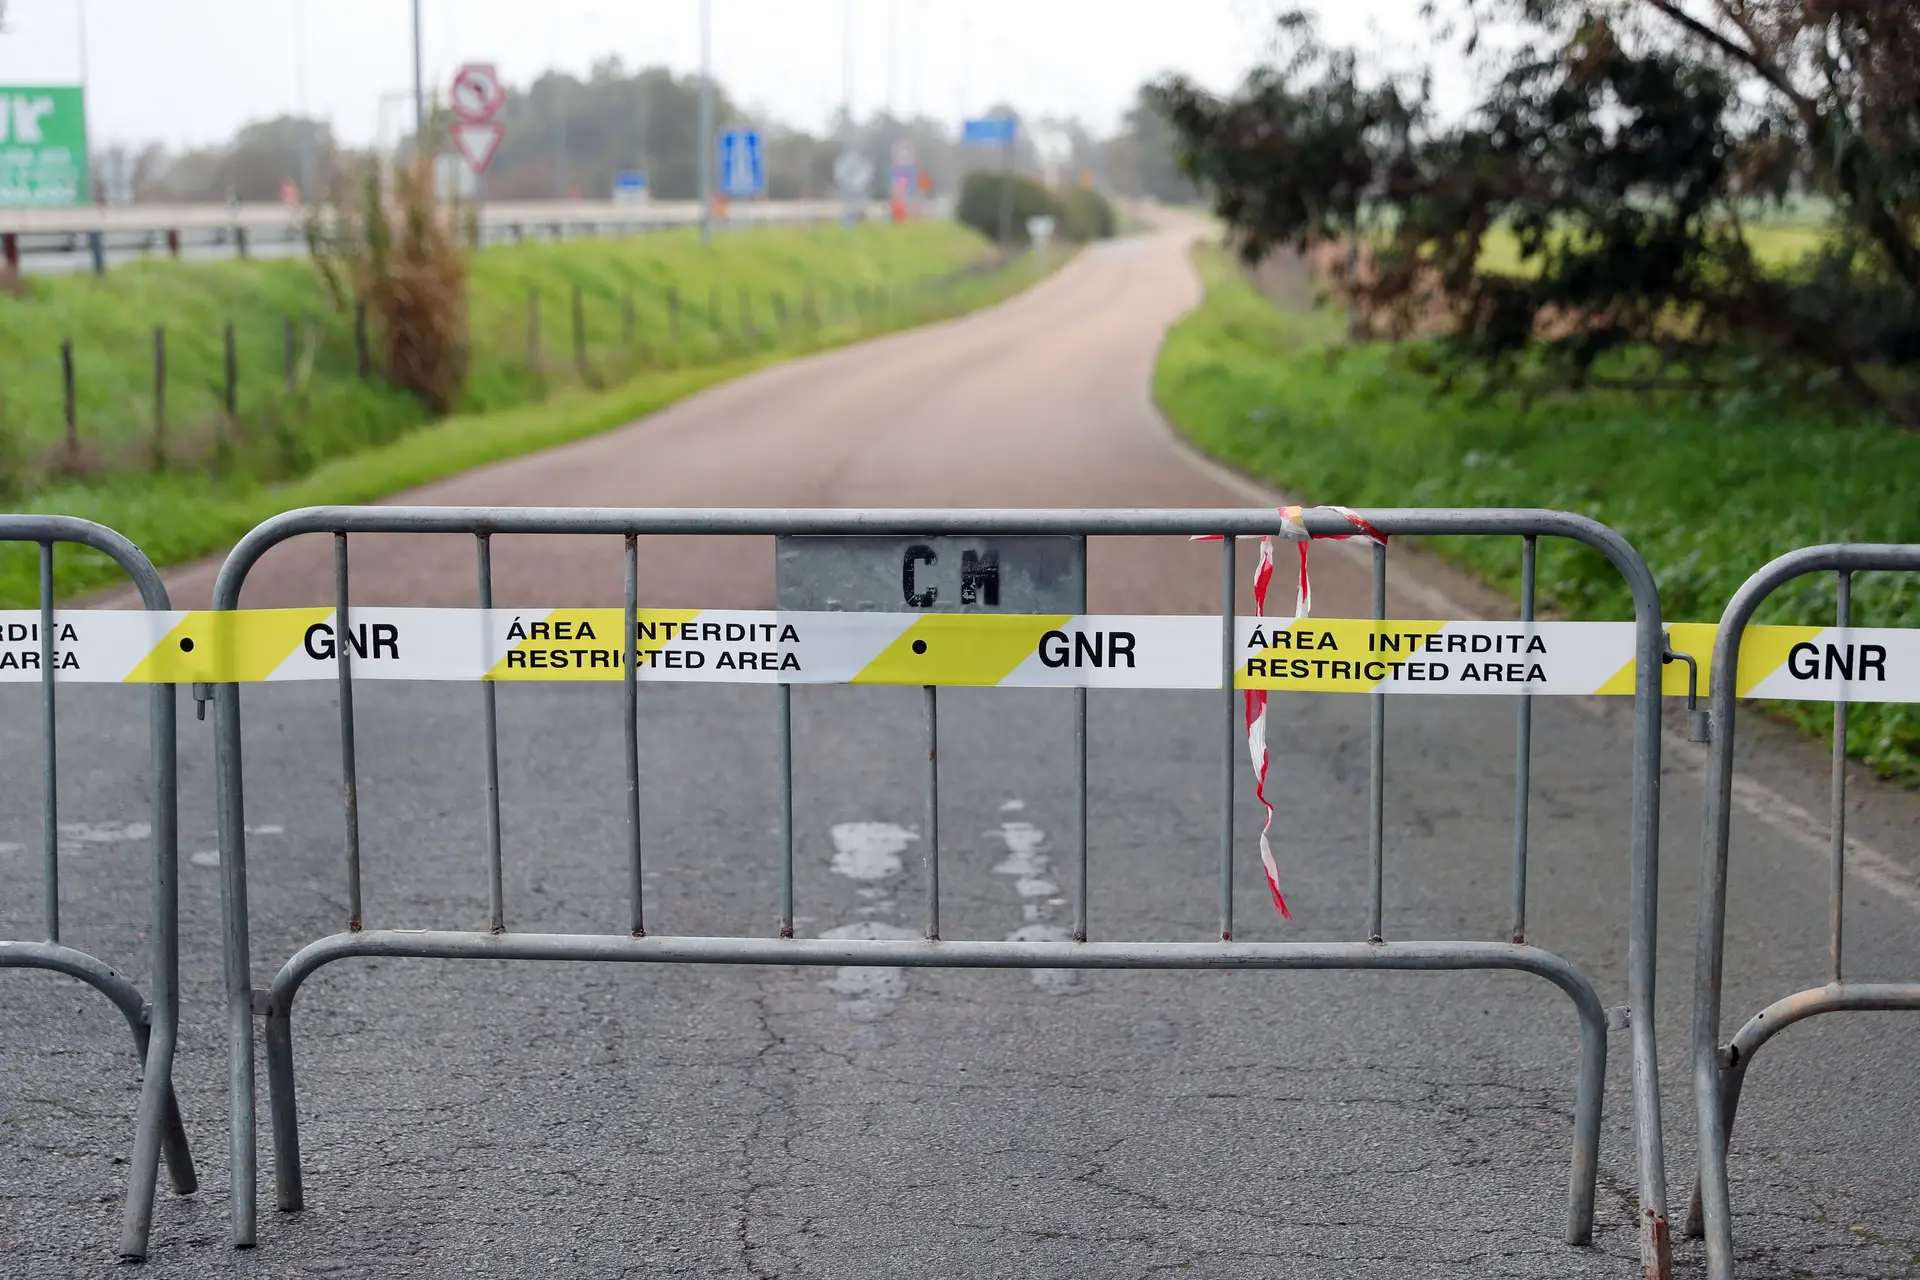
pixel 559 135
pixel 849 196
pixel 893 58
pixel 419 84
pixel 80 36
pixel 846 61
pixel 300 93
pixel 706 142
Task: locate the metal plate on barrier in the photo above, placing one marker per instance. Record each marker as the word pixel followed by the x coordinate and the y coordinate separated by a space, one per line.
pixel 1033 573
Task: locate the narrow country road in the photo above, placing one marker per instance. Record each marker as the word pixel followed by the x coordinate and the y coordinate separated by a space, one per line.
pixel 538 1119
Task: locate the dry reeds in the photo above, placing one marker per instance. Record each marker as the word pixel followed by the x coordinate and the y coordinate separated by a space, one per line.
pixel 396 249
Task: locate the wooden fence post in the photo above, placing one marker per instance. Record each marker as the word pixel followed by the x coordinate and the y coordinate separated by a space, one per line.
pixel 159 397
pixel 362 353
pixel 533 328
pixel 579 333
pixel 72 409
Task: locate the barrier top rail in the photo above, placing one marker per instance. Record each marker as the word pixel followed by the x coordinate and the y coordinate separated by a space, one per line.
pixel 1163 521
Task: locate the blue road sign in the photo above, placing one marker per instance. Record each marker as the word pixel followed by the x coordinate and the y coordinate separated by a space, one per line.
pixel 989 131
pixel 743 167
pixel 630 184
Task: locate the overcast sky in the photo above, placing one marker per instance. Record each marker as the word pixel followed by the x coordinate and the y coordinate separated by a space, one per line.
pixel 192 71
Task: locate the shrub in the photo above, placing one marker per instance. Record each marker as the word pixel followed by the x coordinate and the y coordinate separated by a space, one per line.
pixel 399 252
pixel 1078 214
pixel 1085 214
pixel 980 198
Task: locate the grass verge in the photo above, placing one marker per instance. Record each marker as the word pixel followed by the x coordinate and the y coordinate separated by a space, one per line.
pixel 179 512
pixel 1707 490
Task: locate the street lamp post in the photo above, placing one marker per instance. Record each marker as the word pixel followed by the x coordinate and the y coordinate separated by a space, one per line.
pixel 419 82
pixel 705 143
pixel 80 35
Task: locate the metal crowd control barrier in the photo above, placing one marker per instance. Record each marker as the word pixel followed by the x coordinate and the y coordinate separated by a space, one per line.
pixel 1719 1070
pixel 157 1129
pixel 274 1004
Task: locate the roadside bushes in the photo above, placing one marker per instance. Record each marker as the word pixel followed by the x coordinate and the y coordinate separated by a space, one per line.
pixel 398 252
pixel 1085 214
pixel 1079 214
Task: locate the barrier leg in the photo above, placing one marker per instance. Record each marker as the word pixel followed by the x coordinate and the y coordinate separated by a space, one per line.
pixel 1710 1210
pixel 173 1145
pixel 1588 1098
pixel 236 962
pixel 281 1110
pixel 157 1130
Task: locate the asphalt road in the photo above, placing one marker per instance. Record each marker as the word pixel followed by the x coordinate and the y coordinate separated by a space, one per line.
pixel 522 1119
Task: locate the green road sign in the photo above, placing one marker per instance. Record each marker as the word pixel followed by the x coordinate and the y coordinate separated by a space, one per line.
pixel 43 147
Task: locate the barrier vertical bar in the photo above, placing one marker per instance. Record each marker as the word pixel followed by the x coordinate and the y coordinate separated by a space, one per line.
pixel 1377 768
pixel 50 802
pixel 496 893
pixel 630 682
pixel 159 1132
pixel 786 810
pixel 1837 888
pixel 1656 1258
pixel 349 775
pixel 933 812
pixel 236 962
pixel 1231 754
pixel 1080 779
pixel 1523 751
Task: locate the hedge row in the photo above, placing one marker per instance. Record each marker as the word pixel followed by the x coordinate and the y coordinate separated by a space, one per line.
pixel 1079 214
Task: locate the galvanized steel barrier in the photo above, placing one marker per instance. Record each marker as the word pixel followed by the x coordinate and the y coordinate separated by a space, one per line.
pixel 157 1128
pixel 274 1004
pixel 1720 1070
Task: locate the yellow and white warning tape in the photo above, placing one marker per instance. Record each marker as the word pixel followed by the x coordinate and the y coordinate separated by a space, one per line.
pixel 1313 655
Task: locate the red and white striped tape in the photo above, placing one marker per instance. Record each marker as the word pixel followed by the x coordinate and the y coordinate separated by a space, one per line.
pixel 1293 528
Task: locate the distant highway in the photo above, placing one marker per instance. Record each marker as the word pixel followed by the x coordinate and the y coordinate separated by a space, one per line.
pixel 51 241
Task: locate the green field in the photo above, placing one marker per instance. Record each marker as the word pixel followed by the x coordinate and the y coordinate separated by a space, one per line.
pixel 1774 245
pixel 1708 492
pixel 336 437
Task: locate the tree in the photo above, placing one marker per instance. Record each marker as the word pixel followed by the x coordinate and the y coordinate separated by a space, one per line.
pixel 261 156
pixel 1141 159
pixel 1624 145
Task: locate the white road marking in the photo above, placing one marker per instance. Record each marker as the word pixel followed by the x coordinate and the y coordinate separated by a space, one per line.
pixel 79 833
pixel 870 852
pixel 211 857
pixel 868 993
pixel 1030 867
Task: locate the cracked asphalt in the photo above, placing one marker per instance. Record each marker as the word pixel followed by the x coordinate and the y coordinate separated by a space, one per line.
pixel 517 1119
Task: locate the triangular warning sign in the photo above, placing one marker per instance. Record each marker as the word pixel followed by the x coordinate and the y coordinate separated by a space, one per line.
pixel 477 140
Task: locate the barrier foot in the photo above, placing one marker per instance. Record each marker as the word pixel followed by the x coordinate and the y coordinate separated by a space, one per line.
pixel 280 1109
pixel 158 1129
pixel 173 1145
pixel 1588 1100
pixel 1656 1249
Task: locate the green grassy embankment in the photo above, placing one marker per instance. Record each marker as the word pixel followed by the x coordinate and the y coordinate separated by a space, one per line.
pixel 197 481
pixel 1708 490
